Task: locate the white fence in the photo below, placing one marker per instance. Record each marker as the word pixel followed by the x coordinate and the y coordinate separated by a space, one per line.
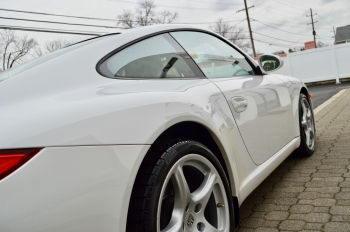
pixel 321 64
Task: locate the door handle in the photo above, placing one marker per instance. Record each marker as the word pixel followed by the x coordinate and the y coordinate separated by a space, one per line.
pixel 239 104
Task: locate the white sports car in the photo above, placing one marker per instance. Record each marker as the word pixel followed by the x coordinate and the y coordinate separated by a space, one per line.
pixel 161 128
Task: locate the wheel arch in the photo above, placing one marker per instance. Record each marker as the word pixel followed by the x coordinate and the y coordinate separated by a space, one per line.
pixel 189 130
pixel 304 91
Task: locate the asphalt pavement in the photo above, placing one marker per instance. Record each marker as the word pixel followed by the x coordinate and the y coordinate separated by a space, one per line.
pixel 321 93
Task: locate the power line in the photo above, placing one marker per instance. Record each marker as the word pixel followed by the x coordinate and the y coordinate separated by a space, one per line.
pixel 288 25
pixel 60 15
pixel 214 22
pixel 241 32
pixel 55 22
pixel 279 29
pixel 266 17
pixel 101 19
pixel 276 38
pixel 269 7
pixel 321 38
pixel 285 25
pixel 273 44
pixel 275 13
pixel 282 30
pixel 167 6
pixel 37 29
pixel 233 4
pixel 295 4
pixel 240 22
pixel 291 5
pixel 324 20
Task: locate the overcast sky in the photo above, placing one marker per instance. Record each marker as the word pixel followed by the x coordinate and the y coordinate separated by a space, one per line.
pixel 285 20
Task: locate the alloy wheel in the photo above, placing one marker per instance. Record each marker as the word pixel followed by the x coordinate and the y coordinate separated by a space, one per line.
pixel 307 123
pixel 193 198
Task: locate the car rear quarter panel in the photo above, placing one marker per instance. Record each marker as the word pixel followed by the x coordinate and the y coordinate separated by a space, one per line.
pixel 83 188
pixel 66 102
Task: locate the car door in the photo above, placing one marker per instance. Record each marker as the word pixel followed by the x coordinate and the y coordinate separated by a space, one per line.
pixel 260 104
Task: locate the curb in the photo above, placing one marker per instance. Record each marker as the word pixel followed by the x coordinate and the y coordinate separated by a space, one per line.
pixel 328 82
pixel 329 101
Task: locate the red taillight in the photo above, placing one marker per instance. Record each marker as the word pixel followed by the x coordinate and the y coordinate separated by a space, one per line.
pixel 10 160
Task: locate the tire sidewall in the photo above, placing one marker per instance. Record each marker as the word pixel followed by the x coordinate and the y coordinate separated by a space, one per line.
pixel 303 147
pixel 168 160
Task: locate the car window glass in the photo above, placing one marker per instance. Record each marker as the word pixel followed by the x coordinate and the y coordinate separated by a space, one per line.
pixel 151 58
pixel 30 64
pixel 214 57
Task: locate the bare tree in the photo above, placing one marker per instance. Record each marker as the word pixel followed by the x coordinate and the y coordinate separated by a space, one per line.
pixel 39 52
pixel 56 44
pixel 232 33
pixel 144 15
pixel 222 28
pixel 166 17
pixel 51 46
pixel 14 49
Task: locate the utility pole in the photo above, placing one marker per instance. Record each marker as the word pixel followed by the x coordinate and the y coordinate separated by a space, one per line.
pixel 250 29
pixel 313 28
pixel 333 32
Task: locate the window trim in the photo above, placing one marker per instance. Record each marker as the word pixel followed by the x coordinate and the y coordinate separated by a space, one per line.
pixel 181 52
pixel 255 67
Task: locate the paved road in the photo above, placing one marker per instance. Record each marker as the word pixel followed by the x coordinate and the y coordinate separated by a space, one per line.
pixel 322 93
pixel 308 193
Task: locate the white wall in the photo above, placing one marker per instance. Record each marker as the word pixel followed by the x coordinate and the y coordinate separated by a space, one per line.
pixel 329 63
pixel 343 59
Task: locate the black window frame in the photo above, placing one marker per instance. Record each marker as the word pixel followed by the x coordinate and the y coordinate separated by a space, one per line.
pixel 255 67
pixel 181 52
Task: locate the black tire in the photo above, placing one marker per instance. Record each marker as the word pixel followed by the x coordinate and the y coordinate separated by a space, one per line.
pixel 151 184
pixel 306 147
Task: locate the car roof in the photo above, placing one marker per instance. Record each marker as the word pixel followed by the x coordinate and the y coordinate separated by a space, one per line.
pixel 165 27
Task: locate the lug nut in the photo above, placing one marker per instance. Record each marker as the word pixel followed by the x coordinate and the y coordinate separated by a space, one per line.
pixel 220 205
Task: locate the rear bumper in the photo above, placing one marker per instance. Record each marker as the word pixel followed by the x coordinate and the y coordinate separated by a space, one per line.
pixel 84 188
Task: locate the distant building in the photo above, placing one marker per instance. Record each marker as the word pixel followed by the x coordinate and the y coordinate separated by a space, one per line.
pixel 342 35
pixel 309 45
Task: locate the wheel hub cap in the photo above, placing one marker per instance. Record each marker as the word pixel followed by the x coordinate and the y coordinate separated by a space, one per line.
pixel 190 220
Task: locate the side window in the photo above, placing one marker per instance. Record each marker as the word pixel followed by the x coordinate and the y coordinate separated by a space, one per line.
pixel 214 57
pixel 155 57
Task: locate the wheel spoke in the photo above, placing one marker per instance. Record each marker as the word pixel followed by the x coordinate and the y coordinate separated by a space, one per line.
pixel 173 226
pixel 308 114
pixel 307 135
pixel 312 133
pixel 203 193
pixel 303 123
pixel 311 137
pixel 304 109
pixel 182 197
pixel 182 191
pixel 209 227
